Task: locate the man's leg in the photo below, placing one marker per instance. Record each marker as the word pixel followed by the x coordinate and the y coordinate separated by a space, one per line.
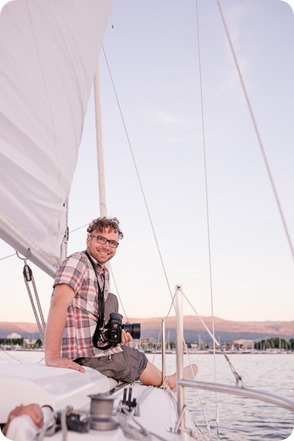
pixel 152 376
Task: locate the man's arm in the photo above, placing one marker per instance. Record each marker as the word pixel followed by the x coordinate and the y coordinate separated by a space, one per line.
pixel 61 300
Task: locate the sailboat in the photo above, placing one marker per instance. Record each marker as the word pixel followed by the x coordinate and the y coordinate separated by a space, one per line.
pixel 49 55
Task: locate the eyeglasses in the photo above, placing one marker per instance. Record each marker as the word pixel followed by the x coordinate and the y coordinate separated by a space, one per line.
pixel 102 240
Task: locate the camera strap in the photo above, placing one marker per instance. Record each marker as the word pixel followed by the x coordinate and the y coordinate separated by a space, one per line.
pixel 101 305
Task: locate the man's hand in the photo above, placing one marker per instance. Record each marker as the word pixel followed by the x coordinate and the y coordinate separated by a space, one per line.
pixel 64 363
pixel 32 410
pixel 126 337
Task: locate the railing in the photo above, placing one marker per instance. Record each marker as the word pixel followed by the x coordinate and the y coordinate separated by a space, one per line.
pixel 215 387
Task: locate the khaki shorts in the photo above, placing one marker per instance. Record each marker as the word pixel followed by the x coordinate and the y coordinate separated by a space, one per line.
pixel 126 366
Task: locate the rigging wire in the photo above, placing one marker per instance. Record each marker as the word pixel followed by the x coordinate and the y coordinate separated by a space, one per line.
pixel 138 175
pixel 267 166
pixel 71 231
pixel 143 193
pixel 6 257
pixel 210 270
pixel 261 146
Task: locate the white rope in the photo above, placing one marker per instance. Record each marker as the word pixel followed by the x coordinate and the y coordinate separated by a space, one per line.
pixel 38 313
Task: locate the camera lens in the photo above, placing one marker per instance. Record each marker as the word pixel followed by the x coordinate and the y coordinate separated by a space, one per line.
pixel 133 328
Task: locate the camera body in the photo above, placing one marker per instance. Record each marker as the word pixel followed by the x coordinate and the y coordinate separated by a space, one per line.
pixel 113 329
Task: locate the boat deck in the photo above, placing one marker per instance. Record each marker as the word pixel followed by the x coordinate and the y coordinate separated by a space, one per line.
pixel 133 411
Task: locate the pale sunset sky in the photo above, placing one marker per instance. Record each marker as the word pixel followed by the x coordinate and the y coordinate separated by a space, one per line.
pixel 151 49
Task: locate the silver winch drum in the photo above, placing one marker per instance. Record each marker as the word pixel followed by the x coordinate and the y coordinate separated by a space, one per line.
pixel 101 411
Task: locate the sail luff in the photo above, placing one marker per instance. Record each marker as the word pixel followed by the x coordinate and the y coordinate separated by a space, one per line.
pixel 48 56
pixel 26 248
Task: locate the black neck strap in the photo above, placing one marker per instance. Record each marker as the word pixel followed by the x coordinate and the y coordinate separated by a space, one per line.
pixel 100 320
pixel 101 306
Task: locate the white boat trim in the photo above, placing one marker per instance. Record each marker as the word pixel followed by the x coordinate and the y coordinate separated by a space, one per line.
pixel 264 396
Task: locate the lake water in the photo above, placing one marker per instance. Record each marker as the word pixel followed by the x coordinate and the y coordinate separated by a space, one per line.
pixel 240 419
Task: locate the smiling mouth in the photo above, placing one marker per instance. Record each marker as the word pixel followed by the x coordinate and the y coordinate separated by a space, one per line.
pixel 103 253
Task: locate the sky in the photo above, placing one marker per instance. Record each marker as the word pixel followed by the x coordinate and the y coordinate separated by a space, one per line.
pixel 152 52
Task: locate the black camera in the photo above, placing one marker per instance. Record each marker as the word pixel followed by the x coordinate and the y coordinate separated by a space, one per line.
pixel 112 330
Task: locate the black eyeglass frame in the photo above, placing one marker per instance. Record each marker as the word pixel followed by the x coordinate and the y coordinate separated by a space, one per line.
pixel 102 240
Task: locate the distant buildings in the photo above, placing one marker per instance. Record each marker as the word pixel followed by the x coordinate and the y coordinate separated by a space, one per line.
pixel 241 345
pixel 13 335
pixel 15 341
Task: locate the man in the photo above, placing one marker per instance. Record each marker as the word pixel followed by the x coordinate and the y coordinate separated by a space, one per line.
pixel 75 311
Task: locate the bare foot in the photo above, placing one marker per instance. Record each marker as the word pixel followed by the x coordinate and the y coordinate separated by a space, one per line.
pixel 189 373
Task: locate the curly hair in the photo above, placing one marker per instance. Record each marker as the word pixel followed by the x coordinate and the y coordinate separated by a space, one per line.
pixel 105 222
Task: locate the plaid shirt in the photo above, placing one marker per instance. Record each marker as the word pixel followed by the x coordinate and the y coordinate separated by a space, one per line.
pixel 82 315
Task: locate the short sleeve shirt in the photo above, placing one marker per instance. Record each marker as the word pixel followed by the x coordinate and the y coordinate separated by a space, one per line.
pixel 82 315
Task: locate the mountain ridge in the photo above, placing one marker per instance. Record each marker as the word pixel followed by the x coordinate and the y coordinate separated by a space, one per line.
pixel 225 330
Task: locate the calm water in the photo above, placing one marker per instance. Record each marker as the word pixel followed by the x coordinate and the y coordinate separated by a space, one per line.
pixel 239 418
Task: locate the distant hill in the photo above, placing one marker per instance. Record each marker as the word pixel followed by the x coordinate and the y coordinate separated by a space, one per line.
pixel 225 330
pixel 23 328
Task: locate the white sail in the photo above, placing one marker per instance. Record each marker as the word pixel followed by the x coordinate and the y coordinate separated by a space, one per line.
pixel 48 56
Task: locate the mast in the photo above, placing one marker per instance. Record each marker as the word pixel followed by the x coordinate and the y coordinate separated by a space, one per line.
pixel 99 143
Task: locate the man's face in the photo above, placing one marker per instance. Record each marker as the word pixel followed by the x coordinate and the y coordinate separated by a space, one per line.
pixel 102 252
